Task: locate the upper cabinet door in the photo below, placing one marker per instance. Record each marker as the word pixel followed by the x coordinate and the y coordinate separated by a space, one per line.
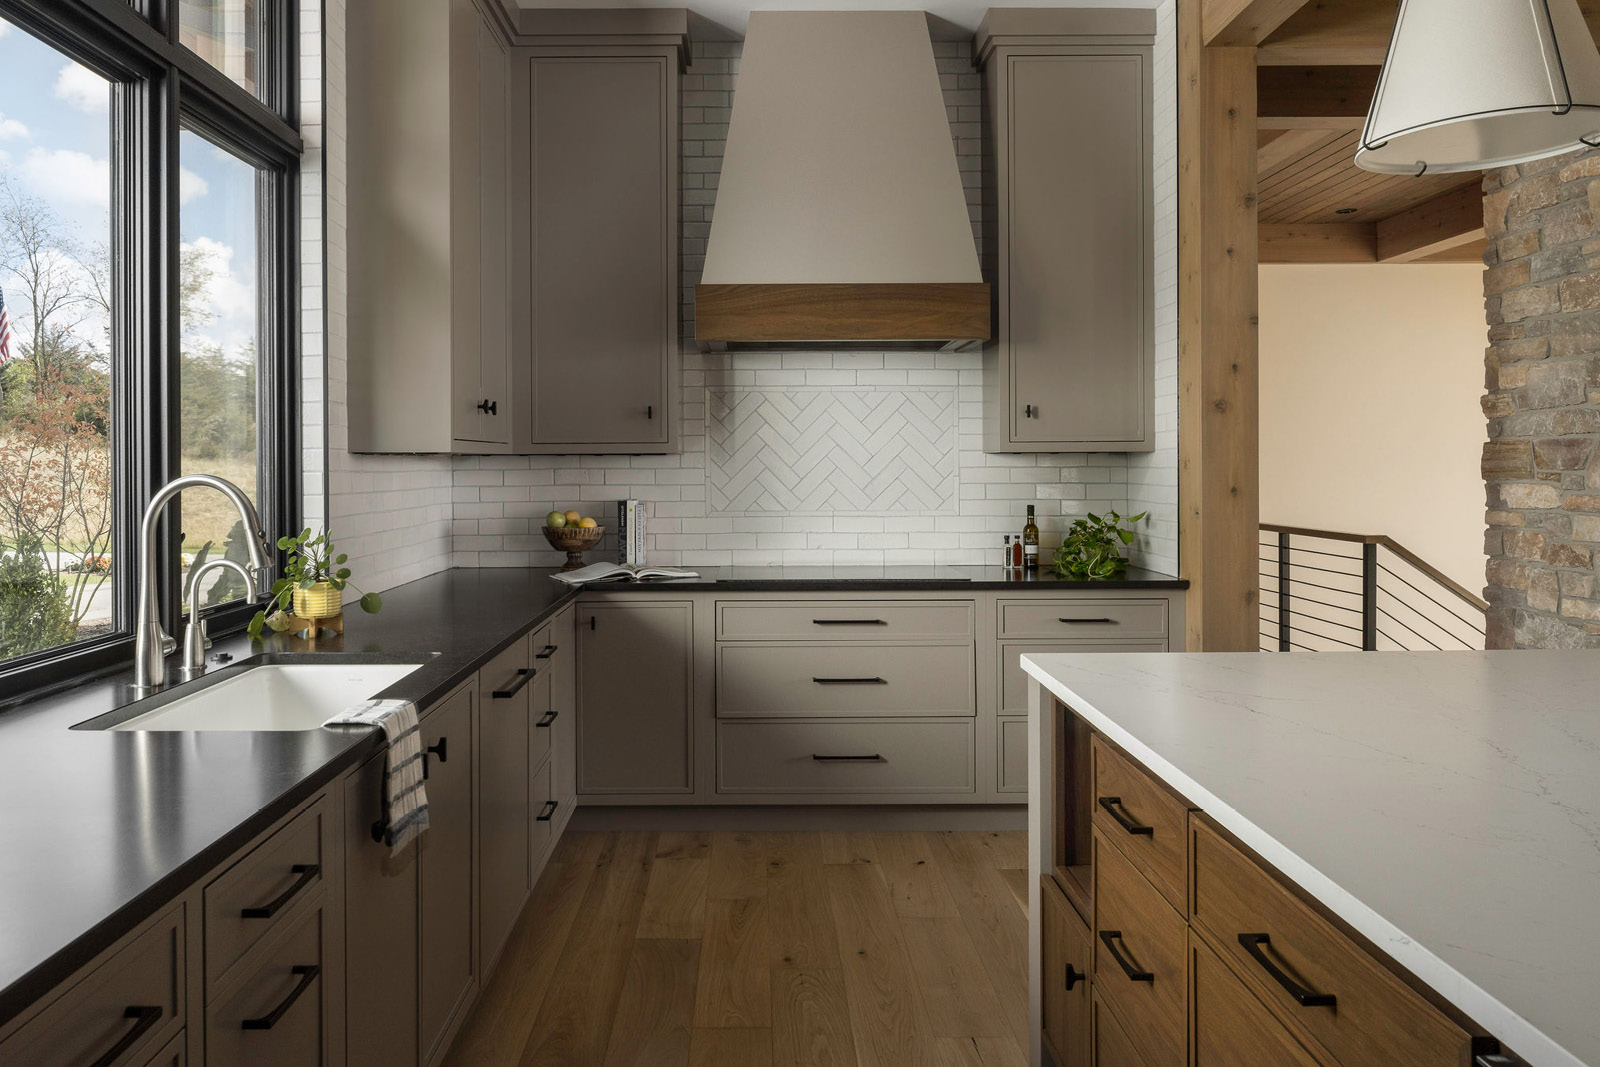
pixel 601 198
pixel 482 381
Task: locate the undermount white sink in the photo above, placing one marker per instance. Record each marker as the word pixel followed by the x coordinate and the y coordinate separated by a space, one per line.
pixel 279 696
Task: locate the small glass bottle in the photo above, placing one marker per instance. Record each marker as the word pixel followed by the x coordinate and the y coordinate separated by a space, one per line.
pixel 1005 560
pixel 1016 554
pixel 1030 543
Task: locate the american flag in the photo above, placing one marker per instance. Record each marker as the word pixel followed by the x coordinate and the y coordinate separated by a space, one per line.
pixel 5 329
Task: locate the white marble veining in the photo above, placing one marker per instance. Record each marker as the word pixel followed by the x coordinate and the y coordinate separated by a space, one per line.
pixel 1446 805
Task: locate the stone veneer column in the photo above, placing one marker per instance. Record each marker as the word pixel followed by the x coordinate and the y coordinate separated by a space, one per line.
pixel 1542 374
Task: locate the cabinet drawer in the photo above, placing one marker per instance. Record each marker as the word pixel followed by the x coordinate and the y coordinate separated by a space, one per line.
pixel 275 1015
pixel 541 795
pixel 1231 1026
pixel 845 757
pixel 1084 620
pixel 174 1054
pixel 133 1003
pixel 248 901
pixel 1012 752
pixel 509 672
pixel 1140 956
pixel 1111 1047
pixel 1014 680
pixel 835 620
pixel 1374 1018
pixel 1145 821
pixel 1065 976
pixel 544 718
pixel 846 680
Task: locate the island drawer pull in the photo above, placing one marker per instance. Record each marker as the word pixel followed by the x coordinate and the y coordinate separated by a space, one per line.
pixel 1304 997
pixel 874 758
pixel 549 717
pixel 308 974
pixel 549 811
pixel 308 873
pixel 549 650
pixel 1109 939
pixel 851 681
pixel 148 1015
pixel 524 676
pixel 441 750
pixel 1077 622
pixel 849 622
pixel 1113 806
pixel 1074 976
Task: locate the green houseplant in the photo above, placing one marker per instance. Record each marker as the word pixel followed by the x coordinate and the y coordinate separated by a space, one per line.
pixel 1093 546
pixel 314 579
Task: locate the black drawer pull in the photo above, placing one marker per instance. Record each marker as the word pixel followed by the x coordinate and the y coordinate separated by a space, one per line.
pixel 549 717
pixel 308 873
pixel 851 681
pixel 1304 997
pixel 441 750
pixel 524 676
pixel 1109 938
pixel 549 811
pixel 549 650
pixel 148 1015
pixel 1075 976
pixel 490 407
pixel 1085 622
pixel 1113 806
pixel 849 622
pixel 874 758
pixel 308 974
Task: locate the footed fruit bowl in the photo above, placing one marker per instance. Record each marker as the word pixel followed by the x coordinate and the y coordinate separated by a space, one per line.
pixel 574 541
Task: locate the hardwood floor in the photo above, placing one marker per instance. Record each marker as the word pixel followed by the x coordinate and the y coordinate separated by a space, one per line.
pixel 764 950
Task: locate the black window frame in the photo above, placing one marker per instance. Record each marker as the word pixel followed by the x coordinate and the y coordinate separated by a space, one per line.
pixel 160 87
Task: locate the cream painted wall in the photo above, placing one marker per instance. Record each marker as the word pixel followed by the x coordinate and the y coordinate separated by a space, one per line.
pixel 1370 421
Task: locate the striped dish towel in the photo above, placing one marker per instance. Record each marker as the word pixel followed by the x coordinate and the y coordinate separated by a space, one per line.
pixel 405 801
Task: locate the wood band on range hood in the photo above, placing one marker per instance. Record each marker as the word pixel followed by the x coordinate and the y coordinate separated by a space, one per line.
pixel 934 312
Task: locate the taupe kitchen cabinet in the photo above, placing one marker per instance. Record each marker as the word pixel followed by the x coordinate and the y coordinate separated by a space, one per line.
pixel 510 682
pixel 593 216
pixel 1068 230
pixel 428 302
pixel 563 657
pixel 448 967
pixel 636 695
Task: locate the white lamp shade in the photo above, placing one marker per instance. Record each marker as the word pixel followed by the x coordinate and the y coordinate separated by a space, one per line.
pixel 1483 83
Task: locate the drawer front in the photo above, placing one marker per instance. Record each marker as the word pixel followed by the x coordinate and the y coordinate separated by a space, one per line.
pixel 1111 1045
pixel 174 1054
pixel 1065 976
pixel 133 1003
pixel 505 673
pixel 541 795
pixel 839 620
pixel 541 707
pixel 1140 956
pixel 844 680
pixel 1231 1026
pixel 1149 824
pixel 1014 680
pixel 248 901
pixel 1375 1018
pixel 1012 752
pixel 1084 620
pixel 846 757
pixel 545 646
pixel 275 1015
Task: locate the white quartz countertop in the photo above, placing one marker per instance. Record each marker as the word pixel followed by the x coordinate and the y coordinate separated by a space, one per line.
pixel 1445 804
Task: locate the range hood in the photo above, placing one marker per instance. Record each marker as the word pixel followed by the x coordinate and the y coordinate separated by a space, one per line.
pixel 840 217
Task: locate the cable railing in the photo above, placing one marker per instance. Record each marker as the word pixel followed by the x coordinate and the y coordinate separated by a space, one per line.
pixel 1324 591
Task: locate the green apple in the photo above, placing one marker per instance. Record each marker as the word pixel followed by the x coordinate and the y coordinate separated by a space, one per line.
pixel 556 520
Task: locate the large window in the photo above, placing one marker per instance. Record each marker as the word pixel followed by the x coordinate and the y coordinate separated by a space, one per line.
pixel 147 250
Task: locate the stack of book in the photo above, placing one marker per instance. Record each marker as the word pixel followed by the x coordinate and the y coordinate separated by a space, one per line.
pixel 630 533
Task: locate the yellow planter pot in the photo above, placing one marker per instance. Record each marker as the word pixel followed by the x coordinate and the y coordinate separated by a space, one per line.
pixel 321 601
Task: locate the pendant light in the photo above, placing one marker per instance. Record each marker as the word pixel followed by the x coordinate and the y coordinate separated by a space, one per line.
pixel 1483 83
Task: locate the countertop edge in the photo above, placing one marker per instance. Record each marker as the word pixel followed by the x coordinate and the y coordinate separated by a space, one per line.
pixel 1532 1044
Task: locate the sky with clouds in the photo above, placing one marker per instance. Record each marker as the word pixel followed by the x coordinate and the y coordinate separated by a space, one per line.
pixel 55 141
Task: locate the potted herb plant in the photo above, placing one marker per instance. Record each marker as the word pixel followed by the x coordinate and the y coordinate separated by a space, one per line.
pixel 1092 547
pixel 313 584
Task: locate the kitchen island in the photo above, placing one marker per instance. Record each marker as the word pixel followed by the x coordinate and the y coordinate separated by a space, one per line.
pixel 1430 818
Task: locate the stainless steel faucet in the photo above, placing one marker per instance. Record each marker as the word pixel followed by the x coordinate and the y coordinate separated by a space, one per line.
pixel 151 643
pixel 195 639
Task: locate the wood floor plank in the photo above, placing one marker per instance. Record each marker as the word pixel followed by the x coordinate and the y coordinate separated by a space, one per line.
pixel 497 1030
pixel 1017 881
pixel 731 1048
pixel 810 1019
pixel 851 847
pixel 738 866
pixel 675 902
pixel 980 1052
pixel 956 990
pixel 655 1013
pixel 683 845
pixel 735 983
pixel 573 1027
pixel 912 872
pixel 887 1018
pixel 998 930
pixel 800 927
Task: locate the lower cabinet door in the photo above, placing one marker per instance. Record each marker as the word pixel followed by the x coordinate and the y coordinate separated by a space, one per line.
pixel 380 932
pixel 1111 1047
pixel 1230 1025
pixel 275 1013
pixel 175 1054
pixel 503 828
pixel 635 673
pixel 448 971
pixel 1067 960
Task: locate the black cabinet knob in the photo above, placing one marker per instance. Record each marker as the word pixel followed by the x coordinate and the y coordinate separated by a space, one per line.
pixel 489 407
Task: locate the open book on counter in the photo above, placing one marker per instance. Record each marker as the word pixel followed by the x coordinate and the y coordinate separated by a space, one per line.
pixel 619 572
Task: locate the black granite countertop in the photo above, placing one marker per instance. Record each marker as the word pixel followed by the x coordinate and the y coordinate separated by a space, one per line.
pixel 101 829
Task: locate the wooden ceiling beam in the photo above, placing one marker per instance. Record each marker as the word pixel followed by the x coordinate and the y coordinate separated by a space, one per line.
pixel 1314 98
pixel 1332 33
pixel 1244 23
pixel 1432 227
pixel 1325 242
